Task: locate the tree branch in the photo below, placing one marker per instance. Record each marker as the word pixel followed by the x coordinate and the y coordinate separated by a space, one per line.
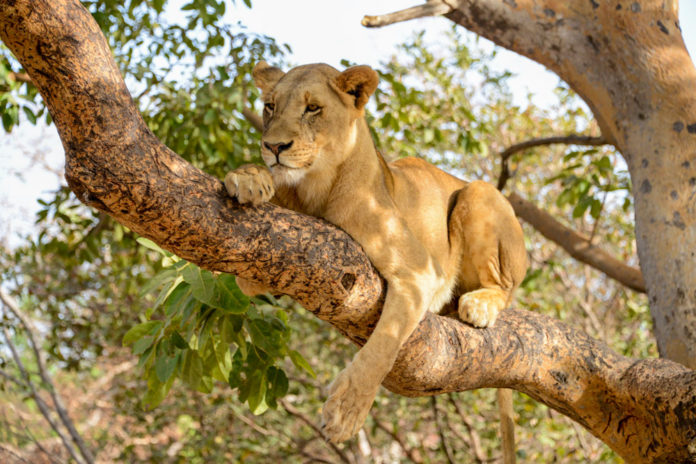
pixel 571 139
pixel 41 367
pixel 644 409
pixel 431 8
pixel 317 431
pixel 443 439
pixel 19 77
pixel 578 246
pixel 40 403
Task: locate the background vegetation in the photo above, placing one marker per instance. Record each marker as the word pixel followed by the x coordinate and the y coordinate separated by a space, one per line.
pixel 158 361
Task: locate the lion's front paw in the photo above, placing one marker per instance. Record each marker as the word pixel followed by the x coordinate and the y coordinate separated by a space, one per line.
pixel 350 399
pixel 480 307
pixel 250 184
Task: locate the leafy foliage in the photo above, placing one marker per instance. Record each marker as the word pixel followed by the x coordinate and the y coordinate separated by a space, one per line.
pixel 192 323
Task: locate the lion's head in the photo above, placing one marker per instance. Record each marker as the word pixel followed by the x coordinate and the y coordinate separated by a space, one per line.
pixel 310 117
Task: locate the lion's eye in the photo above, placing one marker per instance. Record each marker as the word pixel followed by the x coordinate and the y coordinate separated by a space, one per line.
pixel 312 108
pixel 269 107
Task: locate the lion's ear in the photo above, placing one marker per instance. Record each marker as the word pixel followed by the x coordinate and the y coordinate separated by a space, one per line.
pixel 359 82
pixel 266 76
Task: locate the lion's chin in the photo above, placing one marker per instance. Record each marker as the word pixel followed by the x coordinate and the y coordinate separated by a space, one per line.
pixel 285 175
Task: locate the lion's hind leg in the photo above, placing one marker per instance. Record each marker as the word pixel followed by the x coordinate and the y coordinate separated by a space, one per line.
pixel 484 229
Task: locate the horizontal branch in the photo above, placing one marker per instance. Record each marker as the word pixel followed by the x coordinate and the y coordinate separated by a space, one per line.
pixel 432 8
pixel 19 77
pixel 644 409
pixel 578 246
pixel 572 139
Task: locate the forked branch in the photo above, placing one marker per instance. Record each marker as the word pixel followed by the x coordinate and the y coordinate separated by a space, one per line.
pixel 644 409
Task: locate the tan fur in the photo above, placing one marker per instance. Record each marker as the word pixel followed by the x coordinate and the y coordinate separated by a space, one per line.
pixel 431 236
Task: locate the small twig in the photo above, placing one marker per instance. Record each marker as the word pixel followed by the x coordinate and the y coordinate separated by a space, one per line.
pixel 432 8
pixel 13 379
pixel 57 401
pixel 396 437
pixel 441 432
pixel 297 413
pixel 474 439
pixel 591 316
pixel 599 215
pixel 572 139
pixel 12 453
pixel 43 407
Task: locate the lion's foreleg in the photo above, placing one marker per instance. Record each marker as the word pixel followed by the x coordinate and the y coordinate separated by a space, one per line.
pixel 352 392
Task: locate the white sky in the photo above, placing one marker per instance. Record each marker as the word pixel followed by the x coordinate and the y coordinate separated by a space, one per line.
pixel 317 31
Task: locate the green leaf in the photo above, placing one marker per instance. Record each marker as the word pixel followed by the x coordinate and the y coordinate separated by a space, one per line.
pixel 256 385
pixel 210 117
pixel 143 344
pixel 166 291
pixel 264 336
pixel 164 367
pixel 178 341
pixel 202 282
pixel 29 114
pixel 192 369
pixel 301 363
pixel 277 385
pixel 149 244
pixel 137 332
pixel 582 206
pixel 178 300
pixel 228 297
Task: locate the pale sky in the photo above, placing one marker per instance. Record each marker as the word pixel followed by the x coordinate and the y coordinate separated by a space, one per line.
pixel 317 31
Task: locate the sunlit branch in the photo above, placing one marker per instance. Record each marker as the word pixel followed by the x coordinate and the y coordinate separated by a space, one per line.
pixel 432 8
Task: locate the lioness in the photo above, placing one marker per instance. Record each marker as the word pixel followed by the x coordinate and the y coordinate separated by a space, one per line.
pixel 430 235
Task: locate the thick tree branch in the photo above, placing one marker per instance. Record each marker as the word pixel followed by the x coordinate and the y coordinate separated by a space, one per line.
pixel 644 409
pixel 578 246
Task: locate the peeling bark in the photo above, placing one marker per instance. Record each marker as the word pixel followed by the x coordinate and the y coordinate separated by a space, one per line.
pixel 643 409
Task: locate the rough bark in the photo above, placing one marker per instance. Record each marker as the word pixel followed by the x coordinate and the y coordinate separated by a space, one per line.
pixel 628 61
pixel 644 409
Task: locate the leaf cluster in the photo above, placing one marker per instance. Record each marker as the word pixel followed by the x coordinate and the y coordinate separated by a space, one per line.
pixel 191 326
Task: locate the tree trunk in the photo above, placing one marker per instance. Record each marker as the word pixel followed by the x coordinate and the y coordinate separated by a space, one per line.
pixel 628 61
pixel 643 409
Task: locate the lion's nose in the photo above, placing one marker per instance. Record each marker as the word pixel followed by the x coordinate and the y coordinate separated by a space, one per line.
pixel 277 148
